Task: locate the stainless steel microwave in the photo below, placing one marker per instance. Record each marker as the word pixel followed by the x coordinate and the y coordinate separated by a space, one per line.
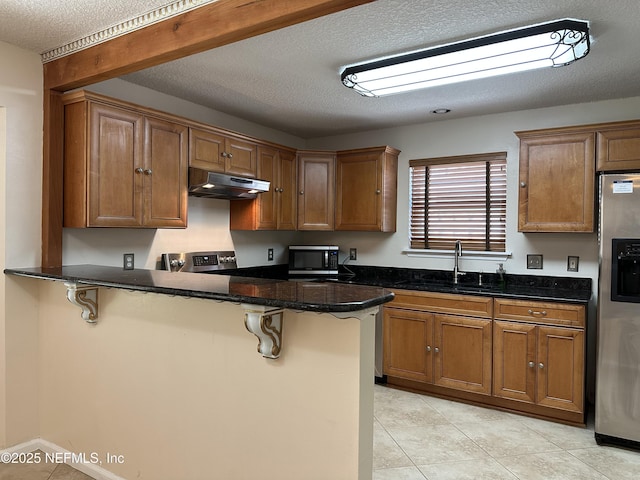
pixel 313 259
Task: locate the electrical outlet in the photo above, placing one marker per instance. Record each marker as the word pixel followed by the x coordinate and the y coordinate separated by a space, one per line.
pixel 270 254
pixel 534 261
pixel 353 254
pixel 572 263
pixel 128 261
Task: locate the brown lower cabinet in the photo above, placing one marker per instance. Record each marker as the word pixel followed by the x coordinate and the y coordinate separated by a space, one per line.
pixel 520 355
pixel 425 340
pixel 538 353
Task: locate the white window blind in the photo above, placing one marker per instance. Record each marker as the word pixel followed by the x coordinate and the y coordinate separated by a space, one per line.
pixel 459 198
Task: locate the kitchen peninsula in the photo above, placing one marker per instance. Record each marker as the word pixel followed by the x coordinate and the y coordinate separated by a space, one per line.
pixel 167 375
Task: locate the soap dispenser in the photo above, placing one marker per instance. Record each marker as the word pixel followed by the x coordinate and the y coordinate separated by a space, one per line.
pixel 501 271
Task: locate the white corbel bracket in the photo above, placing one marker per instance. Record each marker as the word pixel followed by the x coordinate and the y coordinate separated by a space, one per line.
pixel 85 297
pixel 267 326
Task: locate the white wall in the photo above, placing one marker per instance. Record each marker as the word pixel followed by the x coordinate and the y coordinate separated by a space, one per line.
pixel 20 227
pixel 21 95
pixel 175 385
pixel 3 296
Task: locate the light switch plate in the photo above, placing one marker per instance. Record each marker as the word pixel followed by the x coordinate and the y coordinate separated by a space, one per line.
pixel 572 263
pixel 534 262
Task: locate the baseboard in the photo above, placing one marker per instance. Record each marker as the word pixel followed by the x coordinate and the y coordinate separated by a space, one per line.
pixel 88 464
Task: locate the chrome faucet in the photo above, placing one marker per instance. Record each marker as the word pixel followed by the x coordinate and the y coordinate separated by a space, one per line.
pixel 456 257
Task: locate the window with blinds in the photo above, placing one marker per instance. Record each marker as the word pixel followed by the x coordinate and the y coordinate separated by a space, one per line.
pixel 459 198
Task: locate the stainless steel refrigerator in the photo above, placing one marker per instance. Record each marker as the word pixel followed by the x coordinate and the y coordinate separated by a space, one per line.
pixel 617 406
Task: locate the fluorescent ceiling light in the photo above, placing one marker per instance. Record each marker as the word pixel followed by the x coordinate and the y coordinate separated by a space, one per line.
pixel 552 44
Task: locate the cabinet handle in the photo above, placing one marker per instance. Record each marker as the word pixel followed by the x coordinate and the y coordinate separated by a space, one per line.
pixel 541 365
pixel 148 171
pixel 523 184
pixel 535 313
pixel 139 170
pixel 230 155
pixel 378 192
pixel 436 349
pixel 223 154
pixel 301 192
pixel 428 348
pixel 531 364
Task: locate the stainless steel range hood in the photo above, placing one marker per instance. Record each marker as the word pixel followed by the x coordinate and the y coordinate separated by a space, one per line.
pixel 203 183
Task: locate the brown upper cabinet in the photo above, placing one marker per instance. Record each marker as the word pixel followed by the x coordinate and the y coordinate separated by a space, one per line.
pixel 557 181
pixel 557 172
pixel 618 146
pixel 127 166
pixel 213 150
pixel 366 189
pixel 316 190
pixel 123 166
pixel 275 209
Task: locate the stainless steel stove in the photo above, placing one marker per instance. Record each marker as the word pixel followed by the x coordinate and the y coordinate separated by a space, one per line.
pixel 200 262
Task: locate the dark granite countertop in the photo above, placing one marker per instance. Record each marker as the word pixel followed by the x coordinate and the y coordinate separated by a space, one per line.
pixel 307 295
pixel 531 287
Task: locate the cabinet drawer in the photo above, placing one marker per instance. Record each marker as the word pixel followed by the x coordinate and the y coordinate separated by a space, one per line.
pixel 540 312
pixel 472 305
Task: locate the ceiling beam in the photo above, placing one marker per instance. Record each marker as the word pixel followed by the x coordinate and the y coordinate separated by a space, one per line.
pixel 204 28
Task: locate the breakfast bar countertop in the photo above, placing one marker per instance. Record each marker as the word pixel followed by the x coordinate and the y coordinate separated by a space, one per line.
pixel 305 295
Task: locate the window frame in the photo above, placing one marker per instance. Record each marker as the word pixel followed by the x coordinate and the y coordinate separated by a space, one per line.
pixel 495 206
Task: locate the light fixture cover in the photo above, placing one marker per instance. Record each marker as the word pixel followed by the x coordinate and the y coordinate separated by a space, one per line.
pixel 552 44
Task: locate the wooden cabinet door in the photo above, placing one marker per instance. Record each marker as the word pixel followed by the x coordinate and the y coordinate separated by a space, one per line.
pixel 407 345
pixel 216 152
pixel 619 149
pixel 514 361
pixel 287 199
pixel 165 174
pixel 275 209
pixel 205 150
pixel 358 192
pixel 316 191
pixel 366 189
pixel 560 358
pixel 115 162
pixel 462 353
pixel 267 202
pixel 557 183
pixel 240 157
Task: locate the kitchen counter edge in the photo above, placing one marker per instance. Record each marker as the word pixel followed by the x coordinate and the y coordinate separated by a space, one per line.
pixel 266 292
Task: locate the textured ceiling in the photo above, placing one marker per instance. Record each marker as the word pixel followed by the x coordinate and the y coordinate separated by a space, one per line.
pixel 289 79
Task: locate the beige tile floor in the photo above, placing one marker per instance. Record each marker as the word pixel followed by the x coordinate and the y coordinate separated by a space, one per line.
pixel 40 471
pixel 418 437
